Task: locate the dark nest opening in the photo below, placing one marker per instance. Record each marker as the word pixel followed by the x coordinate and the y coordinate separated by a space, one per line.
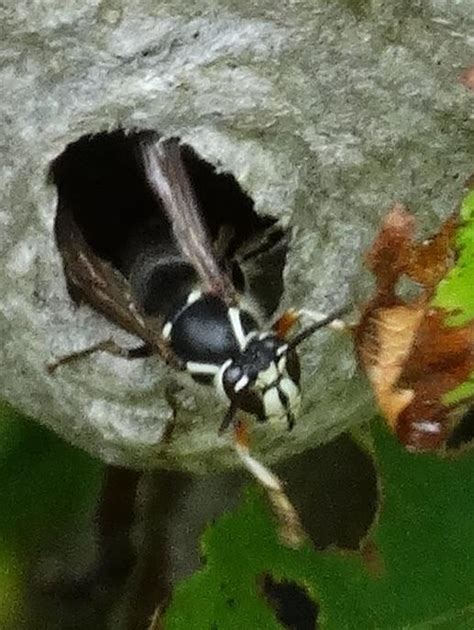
pixel 101 181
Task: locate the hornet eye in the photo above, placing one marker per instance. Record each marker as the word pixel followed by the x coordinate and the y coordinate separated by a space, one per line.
pixel 230 378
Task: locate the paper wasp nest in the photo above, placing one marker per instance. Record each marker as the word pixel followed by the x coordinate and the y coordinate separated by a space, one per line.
pixel 324 113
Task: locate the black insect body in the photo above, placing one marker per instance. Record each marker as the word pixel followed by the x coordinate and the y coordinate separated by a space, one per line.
pixel 224 345
pixel 174 283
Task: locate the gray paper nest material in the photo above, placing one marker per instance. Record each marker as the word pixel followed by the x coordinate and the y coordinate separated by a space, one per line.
pixel 326 113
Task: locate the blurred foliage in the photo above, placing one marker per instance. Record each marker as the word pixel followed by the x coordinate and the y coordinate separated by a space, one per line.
pixel 45 488
pixel 455 293
pixel 11 585
pixel 419 574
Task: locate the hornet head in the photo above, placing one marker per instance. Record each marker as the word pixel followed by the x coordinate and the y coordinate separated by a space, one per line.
pixel 263 380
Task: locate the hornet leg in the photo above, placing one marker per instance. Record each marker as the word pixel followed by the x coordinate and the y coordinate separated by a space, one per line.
pixel 109 346
pixel 291 530
pixel 289 318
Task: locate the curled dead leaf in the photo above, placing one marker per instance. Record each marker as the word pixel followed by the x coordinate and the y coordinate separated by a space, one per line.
pixel 411 356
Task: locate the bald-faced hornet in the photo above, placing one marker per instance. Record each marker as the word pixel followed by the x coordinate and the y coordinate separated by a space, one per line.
pixel 177 289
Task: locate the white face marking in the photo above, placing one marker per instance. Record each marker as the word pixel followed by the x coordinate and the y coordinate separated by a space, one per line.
pixel 272 404
pixel 281 350
pixel 202 368
pixel 193 297
pixel 293 394
pixel 219 378
pixel 268 376
pixel 250 336
pixel 281 365
pixel 226 364
pixel 241 383
pixel 166 331
pixel 234 316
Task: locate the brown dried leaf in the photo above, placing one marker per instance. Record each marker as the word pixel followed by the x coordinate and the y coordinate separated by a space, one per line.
pixel 411 357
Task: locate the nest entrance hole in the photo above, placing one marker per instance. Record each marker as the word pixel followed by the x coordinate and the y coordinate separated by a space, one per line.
pixel 101 180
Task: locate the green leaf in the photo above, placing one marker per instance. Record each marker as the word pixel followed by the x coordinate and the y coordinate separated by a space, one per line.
pixel 455 292
pixel 46 488
pixel 424 540
pixel 11 590
pixel 44 482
